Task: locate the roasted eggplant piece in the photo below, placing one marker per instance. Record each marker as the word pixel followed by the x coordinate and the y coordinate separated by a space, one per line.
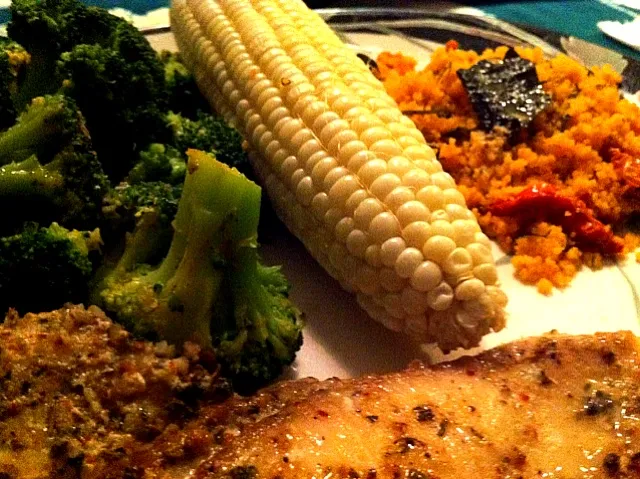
pixel 505 93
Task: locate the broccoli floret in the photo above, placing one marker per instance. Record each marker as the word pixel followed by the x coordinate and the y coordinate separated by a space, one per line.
pixel 14 60
pixel 167 162
pixel 211 133
pixel 127 205
pixel 55 26
pixel 263 332
pixel 43 268
pixel 126 202
pixel 159 163
pixel 183 93
pixel 61 182
pixel 39 27
pixel 42 129
pixel 210 287
pixel 46 29
pixel 119 87
pixel 105 64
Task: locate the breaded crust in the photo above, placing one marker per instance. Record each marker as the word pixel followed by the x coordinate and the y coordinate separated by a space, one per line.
pixel 80 398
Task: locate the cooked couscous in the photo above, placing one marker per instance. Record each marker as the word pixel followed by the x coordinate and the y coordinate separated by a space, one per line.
pixel 558 194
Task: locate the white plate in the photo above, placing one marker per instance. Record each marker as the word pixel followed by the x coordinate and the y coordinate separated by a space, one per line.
pixel 627 32
pixel 341 340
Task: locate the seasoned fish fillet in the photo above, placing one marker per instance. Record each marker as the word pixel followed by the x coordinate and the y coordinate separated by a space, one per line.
pixel 551 407
pixel 79 398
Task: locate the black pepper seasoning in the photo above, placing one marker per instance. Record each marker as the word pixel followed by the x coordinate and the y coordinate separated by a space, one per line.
pixel 597 403
pixel 415 474
pixel 424 413
pixel 442 428
pixel 611 463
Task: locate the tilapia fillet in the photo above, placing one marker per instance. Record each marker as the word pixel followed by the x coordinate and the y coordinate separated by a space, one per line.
pixel 550 407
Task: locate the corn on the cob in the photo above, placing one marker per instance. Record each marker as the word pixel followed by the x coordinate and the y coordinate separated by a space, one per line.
pixel 346 171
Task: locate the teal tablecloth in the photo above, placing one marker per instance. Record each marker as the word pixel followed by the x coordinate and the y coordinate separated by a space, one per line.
pixel 577 18
pixel 138 7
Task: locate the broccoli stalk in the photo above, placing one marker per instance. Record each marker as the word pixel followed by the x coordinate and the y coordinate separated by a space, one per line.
pixel 210 288
pixel 183 288
pixel 42 129
pixel 55 175
pixel 19 179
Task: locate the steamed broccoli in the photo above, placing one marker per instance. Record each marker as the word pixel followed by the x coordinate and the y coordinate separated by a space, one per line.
pixel 183 93
pixel 42 129
pixel 211 133
pixel 46 29
pixel 126 205
pixel 53 262
pixel 55 175
pixel 13 63
pixel 40 26
pixel 207 132
pixel 120 90
pixel 210 287
pixel 159 163
pixel 105 64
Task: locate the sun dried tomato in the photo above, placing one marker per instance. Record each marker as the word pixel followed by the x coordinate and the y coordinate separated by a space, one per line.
pixel 533 203
pixel 627 167
pixel 543 203
pixel 451 45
